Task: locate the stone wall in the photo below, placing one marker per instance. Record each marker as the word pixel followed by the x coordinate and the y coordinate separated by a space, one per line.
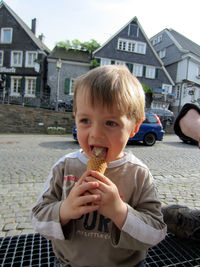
pixel 19 119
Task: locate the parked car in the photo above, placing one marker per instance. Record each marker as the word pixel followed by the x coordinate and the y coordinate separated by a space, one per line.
pixel 166 116
pixel 150 131
pixel 63 105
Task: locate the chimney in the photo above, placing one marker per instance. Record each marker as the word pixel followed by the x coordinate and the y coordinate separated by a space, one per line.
pixel 41 37
pixel 33 26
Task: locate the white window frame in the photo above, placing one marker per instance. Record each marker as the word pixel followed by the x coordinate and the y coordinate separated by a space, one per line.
pixel 15 85
pixel 157 39
pixel 129 30
pixel 150 72
pixel 20 58
pixel 105 61
pixel 138 70
pixel 162 53
pixel 140 48
pixel 131 46
pixel 32 92
pixel 1 57
pixel 3 35
pixel 32 64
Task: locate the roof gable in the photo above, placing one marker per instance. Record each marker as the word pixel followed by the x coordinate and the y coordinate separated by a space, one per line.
pixel 36 40
pixel 108 49
pixel 121 33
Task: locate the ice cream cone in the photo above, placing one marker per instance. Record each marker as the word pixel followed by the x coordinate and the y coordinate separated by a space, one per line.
pixel 97 164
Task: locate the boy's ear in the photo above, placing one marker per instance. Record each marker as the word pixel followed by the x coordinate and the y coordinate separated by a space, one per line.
pixel 137 127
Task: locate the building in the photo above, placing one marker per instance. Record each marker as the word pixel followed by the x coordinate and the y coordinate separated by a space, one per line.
pixel 23 68
pixel 63 67
pixel 181 58
pixel 131 47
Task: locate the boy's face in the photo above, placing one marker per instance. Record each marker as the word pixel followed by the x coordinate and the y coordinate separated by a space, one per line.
pixel 101 127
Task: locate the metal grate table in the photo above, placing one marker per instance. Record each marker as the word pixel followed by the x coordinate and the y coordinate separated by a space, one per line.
pixel 34 250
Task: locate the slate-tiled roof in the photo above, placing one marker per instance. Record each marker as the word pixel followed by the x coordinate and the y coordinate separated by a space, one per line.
pixel 185 43
pixel 37 41
pixel 71 55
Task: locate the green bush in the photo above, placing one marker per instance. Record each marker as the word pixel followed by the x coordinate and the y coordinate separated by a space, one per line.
pixel 56 130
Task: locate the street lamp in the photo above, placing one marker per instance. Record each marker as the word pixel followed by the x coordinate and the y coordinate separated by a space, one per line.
pixel 58 67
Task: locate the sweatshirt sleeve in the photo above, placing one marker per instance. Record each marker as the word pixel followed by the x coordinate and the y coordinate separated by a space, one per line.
pixel 45 214
pixel 144 226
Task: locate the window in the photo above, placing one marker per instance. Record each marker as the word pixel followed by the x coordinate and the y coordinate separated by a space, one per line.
pixel 15 85
pixel 1 58
pixel 157 39
pixel 30 86
pixel 141 48
pixel 16 59
pixel 122 45
pixel 138 70
pixel 6 35
pixel 162 53
pixel 105 61
pixel 133 30
pixel 132 46
pixel 150 72
pixel 30 58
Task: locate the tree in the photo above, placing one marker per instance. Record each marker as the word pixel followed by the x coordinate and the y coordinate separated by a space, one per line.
pixel 75 44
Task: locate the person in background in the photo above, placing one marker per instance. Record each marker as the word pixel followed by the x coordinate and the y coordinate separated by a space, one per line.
pixel 187 124
pixel 181 220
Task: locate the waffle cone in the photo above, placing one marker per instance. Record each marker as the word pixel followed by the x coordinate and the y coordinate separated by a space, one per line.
pixel 97 164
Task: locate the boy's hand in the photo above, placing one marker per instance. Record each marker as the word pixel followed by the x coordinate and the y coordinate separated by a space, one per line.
pixel 110 203
pixel 75 205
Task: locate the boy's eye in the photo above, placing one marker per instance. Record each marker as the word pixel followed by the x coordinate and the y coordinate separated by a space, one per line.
pixel 111 123
pixel 84 121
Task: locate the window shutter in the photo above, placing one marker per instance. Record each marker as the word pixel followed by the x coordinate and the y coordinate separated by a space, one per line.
pixel 7 81
pixel 37 91
pixel 22 86
pixel 67 86
pixel 156 75
pixel 130 67
pixel 144 71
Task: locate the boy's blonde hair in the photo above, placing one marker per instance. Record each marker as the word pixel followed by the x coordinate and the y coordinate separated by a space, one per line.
pixel 113 85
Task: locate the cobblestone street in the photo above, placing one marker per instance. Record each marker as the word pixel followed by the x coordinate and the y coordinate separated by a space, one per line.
pixel 26 161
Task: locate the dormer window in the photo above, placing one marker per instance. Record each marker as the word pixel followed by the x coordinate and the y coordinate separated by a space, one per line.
pixel 6 35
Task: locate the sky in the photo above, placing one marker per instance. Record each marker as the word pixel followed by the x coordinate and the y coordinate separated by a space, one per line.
pixel 61 20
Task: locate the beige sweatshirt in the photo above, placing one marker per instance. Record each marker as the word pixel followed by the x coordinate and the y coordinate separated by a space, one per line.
pixel 93 240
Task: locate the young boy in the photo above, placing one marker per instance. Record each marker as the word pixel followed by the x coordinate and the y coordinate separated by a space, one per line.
pixel 93 219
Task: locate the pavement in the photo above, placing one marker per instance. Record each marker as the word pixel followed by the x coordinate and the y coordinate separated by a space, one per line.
pixel 25 161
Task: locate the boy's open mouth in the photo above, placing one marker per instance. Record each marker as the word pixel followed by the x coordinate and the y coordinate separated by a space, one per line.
pixel 99 151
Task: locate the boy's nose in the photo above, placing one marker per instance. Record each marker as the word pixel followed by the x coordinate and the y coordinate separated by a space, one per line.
pixel 96 131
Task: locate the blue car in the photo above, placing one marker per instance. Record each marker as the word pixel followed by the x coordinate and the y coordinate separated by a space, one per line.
pixel 150 131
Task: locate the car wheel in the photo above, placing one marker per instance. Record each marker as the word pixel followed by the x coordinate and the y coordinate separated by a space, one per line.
pixel 149 139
